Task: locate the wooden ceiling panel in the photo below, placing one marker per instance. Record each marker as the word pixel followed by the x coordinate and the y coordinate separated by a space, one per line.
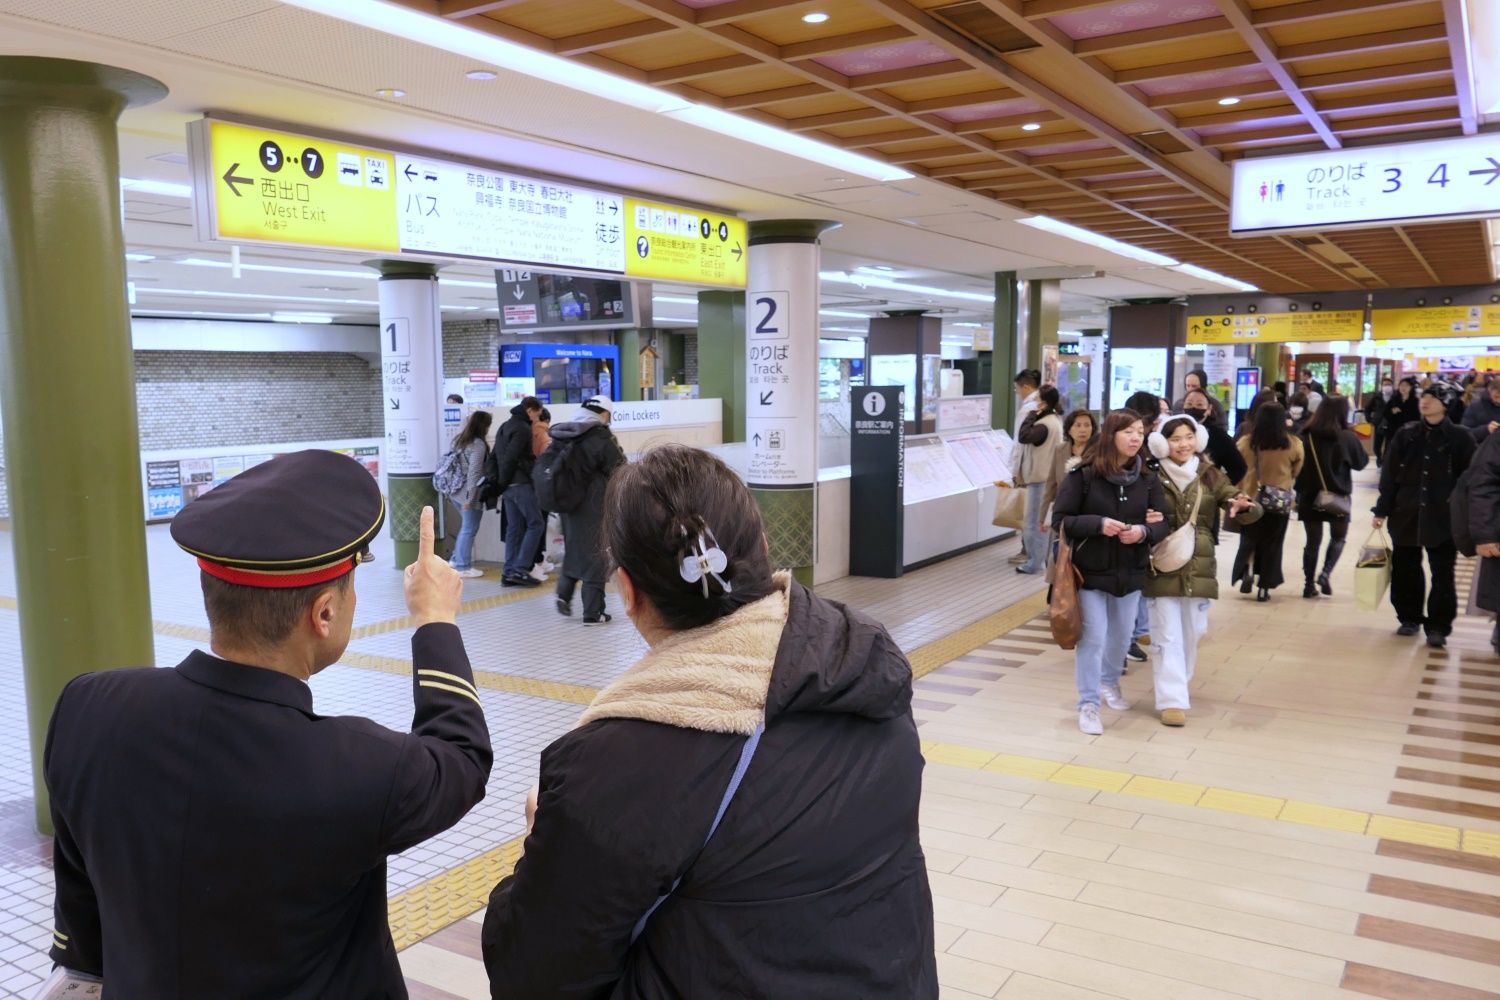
pixel 944 86
pixel 557 20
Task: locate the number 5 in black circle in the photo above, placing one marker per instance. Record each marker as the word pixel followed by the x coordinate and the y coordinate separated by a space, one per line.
pixel 312 163
pixel 270 156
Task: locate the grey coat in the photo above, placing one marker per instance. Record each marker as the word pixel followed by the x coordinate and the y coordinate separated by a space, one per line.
pixel 584 557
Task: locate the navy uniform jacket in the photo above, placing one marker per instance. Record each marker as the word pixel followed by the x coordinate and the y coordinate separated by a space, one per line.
pixel 216 838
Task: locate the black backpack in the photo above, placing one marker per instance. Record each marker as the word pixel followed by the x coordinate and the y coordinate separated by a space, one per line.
pixel 561 477
pixel 490 487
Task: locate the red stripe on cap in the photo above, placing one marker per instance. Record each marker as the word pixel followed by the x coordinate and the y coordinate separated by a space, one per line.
pixel 253 578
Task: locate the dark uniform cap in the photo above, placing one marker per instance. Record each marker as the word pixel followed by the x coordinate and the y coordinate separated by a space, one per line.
pixel 295 521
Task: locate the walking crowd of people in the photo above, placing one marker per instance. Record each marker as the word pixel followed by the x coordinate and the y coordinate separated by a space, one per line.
pixel 1142 500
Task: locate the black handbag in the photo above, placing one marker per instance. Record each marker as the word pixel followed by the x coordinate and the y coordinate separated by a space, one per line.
pixel 1327 502
pixel 1272 499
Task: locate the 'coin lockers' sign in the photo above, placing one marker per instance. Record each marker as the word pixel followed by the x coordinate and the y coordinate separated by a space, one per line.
pixel 262 185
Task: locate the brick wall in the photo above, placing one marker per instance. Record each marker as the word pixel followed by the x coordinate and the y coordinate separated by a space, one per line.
pixel 201 399
pixel 690 357
pixel 470 345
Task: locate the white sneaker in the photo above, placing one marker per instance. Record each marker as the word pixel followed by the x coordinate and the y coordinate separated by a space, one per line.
pixel 471 573
pixel 539 572
pixel 1088 721
pixel 1113 698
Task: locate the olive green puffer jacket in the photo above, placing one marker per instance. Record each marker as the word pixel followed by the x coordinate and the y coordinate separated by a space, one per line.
pixel 1199 578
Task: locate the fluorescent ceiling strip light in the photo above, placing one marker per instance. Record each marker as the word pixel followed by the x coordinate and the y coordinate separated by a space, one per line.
pixel 147 312
pixel 139 258
pixel 679 299
pixel 433 31
pixel 1218 279
pixel 166 188
pixel 843 314
pixel 319 272
pixel 299 317
pixel 1082 235
pixel 870 281
pixel 201 293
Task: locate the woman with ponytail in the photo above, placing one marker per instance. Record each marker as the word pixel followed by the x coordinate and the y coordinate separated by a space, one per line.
pixel 736 814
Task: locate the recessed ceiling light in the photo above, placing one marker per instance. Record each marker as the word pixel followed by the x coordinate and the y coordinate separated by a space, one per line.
pixel 1030 127
pixel 481 74
pixel 1228 102
pixel 816 17
pixel 393 92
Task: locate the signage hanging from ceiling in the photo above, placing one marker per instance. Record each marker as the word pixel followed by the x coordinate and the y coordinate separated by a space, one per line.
pixel 1270 328
pixel 284 188
pixel 1469 311
pixel 1436 181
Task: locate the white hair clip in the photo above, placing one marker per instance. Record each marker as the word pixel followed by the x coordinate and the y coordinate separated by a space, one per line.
pixel 708 561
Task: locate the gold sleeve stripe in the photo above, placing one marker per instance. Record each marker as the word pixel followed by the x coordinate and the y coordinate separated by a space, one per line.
pixel 450 678
pixel 456 690
pixel 61 936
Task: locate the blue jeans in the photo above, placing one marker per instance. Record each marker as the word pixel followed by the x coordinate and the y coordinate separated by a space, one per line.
pixel 463 548
pixel 1100 654
pixel 523 527
pixel 1033 538
pixel 1142 620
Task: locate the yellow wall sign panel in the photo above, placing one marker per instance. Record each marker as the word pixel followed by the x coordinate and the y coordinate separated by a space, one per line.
pixel 693 246
pixel 1271 328
pixel 279 187
pixel 1435 321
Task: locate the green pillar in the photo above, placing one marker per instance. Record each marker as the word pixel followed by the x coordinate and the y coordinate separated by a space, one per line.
pixel 721 356
pixel 1043 317
pixel 1005 362
pixel 74 470
pixel 411 355
pixel 628 378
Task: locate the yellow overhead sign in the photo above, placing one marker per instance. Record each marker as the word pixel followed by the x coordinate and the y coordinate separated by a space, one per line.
pixel 1271 328
pixel 284 188
pixel 672 243
pixel 267 185
pixel 1435 321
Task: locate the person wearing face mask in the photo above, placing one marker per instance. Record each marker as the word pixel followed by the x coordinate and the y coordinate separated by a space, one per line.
pixel 1333 455
pixel 1375 410
pixel 1424 460
pixel 1221 450
pixel 1195 492
pixel 1111 510
pixel 1275 459
pixel 1197 381
pixel 1298 413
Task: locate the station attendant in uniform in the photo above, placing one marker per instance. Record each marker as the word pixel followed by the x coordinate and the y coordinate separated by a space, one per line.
pixel 215 836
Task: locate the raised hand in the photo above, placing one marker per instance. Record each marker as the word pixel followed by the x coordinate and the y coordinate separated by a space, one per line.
pixel 434 589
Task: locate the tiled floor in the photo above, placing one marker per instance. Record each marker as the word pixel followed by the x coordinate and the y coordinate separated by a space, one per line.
pixel 1327 825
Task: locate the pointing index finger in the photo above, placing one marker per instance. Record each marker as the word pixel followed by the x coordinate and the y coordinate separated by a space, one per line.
pixel 424 535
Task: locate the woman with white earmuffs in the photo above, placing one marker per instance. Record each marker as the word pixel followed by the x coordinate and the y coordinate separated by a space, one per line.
pixel 1184 571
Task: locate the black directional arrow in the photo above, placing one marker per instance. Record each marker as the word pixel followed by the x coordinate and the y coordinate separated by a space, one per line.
pixel 395 403
pixel 411 174
pixel 231 179
pixel 757 440
pixel 1493 170
pixel 765 397
pixel 738 250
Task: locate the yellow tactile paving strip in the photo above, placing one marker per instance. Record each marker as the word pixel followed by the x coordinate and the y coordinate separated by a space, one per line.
pixel 466 608
pixel 425 909
pixel 1224 799
pixel 925 659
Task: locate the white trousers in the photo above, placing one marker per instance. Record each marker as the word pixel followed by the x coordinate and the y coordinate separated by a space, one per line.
pixel 1177 623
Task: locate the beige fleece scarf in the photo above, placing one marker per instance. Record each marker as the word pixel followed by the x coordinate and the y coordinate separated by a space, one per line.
pixel 715 678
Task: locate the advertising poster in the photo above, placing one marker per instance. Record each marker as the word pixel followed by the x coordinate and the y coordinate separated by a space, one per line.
pixel 163 502
pixel 228 467
pixel 251 461
pixel 197 470
pixel 370 459
pixel 164 475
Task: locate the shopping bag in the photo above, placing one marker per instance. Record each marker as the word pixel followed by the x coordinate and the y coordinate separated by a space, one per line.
pixel 1372 572
pixel 1010 506
pixel 1064 613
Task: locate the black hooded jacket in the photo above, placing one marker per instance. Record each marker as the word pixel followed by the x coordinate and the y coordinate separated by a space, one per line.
pixel 814 885
pixel 513 457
